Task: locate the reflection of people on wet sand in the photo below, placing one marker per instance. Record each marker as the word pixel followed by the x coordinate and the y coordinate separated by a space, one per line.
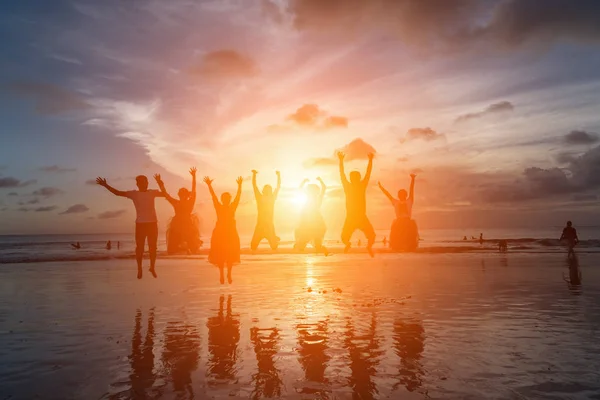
pixel 142 357
pixel 312 226
pixel 225 241
pixel 409 343
pixel 146 223
pixel 502 246
pixel 569 235
pixel 403 234
pixel 267 382
pixel 312 352
pixel 574 271
pixel 364 353
pixel 181 352
pixel 223 339
pixel 355 190
pixel 183 232
pixel 76 246
pixel 265 203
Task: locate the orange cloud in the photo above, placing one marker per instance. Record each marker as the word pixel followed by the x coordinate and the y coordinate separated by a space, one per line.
pixel 225 64
pixel 357 149
pixel 310 115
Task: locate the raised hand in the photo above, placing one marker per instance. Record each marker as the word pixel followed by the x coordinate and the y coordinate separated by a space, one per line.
pixel 371 156
pixel 193 171
pixel 306 180
pixel 254 172
pixel 319 179
pixel 208 181
pixel 239 180
pixel 277 173
pixel 158 179
pixel 341 155
pixel 413 175
pixel 101 181
pixel 379 184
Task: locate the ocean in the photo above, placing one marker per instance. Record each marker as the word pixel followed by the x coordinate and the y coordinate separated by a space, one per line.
pixel 46 248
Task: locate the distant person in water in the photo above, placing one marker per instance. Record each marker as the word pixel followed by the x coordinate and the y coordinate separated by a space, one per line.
pixel 108 245
pixel 146 223
pixel 225 241
pixel 76 246
pixel 569 235
pixel 265 204
pixel 183 233
pixel 355 190
pixel 404 234
pixel 312 228
pixel 481 238
pixel 118 245
pixel 464 238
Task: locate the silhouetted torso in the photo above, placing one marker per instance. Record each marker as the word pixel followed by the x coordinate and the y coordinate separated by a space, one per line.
pixel 356 199
pixel 569 233
pixel 266 208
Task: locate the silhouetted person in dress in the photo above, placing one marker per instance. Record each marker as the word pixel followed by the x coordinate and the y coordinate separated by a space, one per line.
pixel 356 204
pixel 265 204
pixel 403 233
pixel 312 228
pixel 223 339
pixel 146 222
pixel 76 246
pixel 225 241
pixel 183 232
pixel 569 235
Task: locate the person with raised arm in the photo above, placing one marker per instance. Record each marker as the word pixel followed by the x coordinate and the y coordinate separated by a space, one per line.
pixel 312 226
pixel 356 204
pixel 403 234
pixel 146 222
pixel 225 241
pixel 265 204
pixel 183 232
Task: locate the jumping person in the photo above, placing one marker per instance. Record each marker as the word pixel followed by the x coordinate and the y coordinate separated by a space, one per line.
pixel 183 232
pixel 265 204
pixel 312 226
pixel 225 241
pixel 403 234
pixel 146 223
pixel 569 234
pixel 356 204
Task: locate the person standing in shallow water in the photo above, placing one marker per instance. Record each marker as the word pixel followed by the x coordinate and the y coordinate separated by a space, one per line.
pixel 356 204
pixel 265 203
pixel 225 241
pixel 183 232
pixel 312 226
pixel 569 235
pixel 146 222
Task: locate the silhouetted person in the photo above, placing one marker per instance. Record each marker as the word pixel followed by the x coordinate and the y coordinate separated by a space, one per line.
pixel 267 382
pixel 225 241
pixel 569 235
pixel 312 353
pixel 223 339
pixel 356 204
pixel 146 223
pixel 76 246
pixel 403 233
pixel 502 246
pixel 265 204
pixel 409 343
pixel 183 232
pixel 181 353
pixel 473 238
pixel 481 238
pixel 385 241
pixel 118 245
pixel 142 357
pixel 108 245
pixel 312 226
pixel 464 238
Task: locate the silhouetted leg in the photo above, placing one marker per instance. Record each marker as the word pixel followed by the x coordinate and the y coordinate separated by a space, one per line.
pixel 273 239
pixel 140 240
pixel 347 231
pixel 369 232
pixel 229 268
pixel 319 248
pixel 256 238
pixel 221 274
pixel 152 243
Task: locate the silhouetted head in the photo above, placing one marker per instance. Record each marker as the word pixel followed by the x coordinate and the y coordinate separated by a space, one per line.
pixel 267 190
pixel 183 194
pixel 569 223
pixel 402 194
pixel 355 177
pixel 312 191
pixel 141 182
pixel 226 198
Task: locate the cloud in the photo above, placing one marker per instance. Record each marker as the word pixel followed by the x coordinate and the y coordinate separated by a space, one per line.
pixel 500 108
pixel 581 137
pixel 225 64
pixel 13 194
pixel 111 214
pixel 358 149
pixel 426 134
pixel 311 115
pixel 30 202
pixel 46 209
pixel 9 182
pixel 23 209
pixel 336 122
pixel 56 169
pixel 49 99
pixel 75 209
pixel 47 192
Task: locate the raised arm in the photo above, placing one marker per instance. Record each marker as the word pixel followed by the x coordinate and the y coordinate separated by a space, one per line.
pixel 238 195
pixel 323 187
pixel 213 196
pixel 161 186
pixel 369 169
pixel 254 186
pixel 341 156
pixel 102 182
pixel 411 193
pixel 387 194
pixel 278 184
pixel 193 173
pixel 304 182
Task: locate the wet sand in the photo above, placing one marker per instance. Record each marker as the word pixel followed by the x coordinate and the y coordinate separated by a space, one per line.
pixel 441 326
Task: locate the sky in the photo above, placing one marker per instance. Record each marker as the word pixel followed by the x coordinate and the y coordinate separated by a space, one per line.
pixel 494 104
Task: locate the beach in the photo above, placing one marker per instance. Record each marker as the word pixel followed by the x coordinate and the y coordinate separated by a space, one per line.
pixel 441 326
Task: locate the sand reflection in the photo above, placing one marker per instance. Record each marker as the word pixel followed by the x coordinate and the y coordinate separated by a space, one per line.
pixel 223 340
pixel 312 354
pixel 267 382
pixel 409 343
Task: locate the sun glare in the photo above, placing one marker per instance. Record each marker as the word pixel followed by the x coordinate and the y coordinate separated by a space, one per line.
pixel 299 199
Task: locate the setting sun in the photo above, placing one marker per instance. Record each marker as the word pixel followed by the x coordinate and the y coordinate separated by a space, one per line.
pixel 299 199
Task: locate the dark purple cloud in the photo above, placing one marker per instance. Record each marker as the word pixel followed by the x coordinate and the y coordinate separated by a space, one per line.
pixel 10 182
pixel 47 192
pixel 495 109
pixel 76 209
pixel 111 214
pixel 46 209
pixel 581 137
